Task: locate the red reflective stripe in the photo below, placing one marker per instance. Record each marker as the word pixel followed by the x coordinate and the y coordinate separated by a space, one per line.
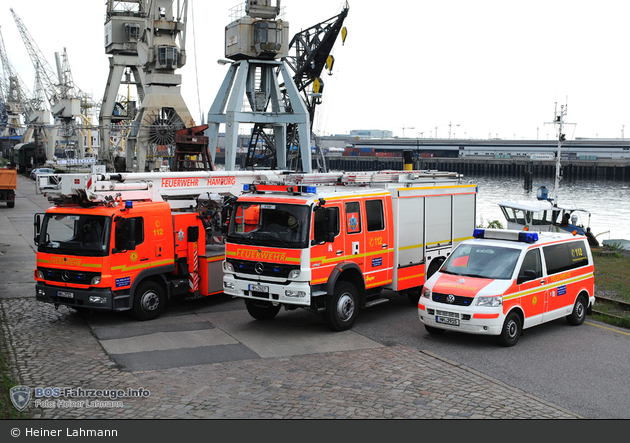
pixel 486 316
pixel 421 306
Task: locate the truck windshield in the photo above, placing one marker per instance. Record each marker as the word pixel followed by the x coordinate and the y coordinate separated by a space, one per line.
pixel 482 261
pixel 270 224
pixel 70 234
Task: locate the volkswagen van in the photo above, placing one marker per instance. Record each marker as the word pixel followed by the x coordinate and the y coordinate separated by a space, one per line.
pixel 504 281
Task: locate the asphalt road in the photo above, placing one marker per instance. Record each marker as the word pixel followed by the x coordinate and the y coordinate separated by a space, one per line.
pixel 582 369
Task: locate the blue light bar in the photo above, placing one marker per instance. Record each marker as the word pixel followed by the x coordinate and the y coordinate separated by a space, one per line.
pixel 246 187
pixel 311 190
pixel 528 237
pixel 478 233
pixel 128 204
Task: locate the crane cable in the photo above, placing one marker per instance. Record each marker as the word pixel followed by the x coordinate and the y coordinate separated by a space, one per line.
pixel 192 7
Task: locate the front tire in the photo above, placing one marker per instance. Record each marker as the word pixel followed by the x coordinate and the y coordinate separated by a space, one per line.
pixel 576 318
pixel 262 310
pixel 342 307
pixel 148 301
pixel 512 329
pixel 10 204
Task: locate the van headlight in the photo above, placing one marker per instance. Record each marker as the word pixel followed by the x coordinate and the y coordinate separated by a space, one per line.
pixel 489 301
pixel 426 292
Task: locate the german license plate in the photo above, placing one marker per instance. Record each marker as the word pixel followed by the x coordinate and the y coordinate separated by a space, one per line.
pixel 259 288
pixel 447 320
pixel 65 294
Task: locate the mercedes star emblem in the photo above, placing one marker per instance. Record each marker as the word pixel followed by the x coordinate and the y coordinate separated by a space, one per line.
pixel 259 268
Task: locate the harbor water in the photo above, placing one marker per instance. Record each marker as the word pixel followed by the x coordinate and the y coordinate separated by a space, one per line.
pixel 607 201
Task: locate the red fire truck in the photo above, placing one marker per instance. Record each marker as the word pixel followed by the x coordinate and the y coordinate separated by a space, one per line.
pixel 332 242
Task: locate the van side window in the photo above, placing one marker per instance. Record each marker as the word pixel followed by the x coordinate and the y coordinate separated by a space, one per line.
pixel 353 217
pixel 374 215
pixel 531 262
pixel 565 256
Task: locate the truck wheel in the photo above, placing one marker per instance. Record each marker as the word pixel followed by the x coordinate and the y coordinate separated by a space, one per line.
pixel 10 204
pixel 578 315
pixel 342 307
pixel 511 331
pixel 413 295
pixel 148 301
pixel 262 310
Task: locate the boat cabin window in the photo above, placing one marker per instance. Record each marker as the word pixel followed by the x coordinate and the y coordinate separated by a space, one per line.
pixel 517 215
pixel 542 218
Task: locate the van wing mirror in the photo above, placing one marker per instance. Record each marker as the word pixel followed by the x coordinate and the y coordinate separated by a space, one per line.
pixel 527 275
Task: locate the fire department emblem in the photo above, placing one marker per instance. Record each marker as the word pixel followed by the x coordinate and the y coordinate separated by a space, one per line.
pixel 353 222
pixel 450 299
pixel 180 235
pixel 20 396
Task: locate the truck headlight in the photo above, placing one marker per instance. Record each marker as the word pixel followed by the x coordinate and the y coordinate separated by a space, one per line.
pixel 96 280
pixel 426 292
pixel 489 301
pixel 40 274
pixel 294 274
pixel 228 267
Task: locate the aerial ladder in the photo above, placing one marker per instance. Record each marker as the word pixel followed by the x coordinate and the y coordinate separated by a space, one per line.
pixel 130 241
pixel 310 52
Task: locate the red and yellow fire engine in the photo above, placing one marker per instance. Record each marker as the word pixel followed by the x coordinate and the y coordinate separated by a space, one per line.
pixel 332 242
pixel 131 241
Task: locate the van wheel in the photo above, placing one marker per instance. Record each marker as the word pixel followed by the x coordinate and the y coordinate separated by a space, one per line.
pixel 578 315
pixel 148 301
pixel 434 331
pixel 511 331
pixel 262 310
pixel 342 307
pixel 10 204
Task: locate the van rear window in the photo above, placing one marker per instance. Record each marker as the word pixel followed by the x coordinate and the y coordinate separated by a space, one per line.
pixel 565 256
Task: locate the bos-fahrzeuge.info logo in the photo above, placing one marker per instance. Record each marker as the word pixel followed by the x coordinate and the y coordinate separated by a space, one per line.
pixel 50 397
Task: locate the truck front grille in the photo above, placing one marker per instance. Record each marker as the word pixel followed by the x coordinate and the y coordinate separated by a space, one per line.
pixel 269 269
pixel 67 276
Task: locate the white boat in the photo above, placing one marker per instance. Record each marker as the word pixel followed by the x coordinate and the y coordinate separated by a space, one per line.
pixel 545 214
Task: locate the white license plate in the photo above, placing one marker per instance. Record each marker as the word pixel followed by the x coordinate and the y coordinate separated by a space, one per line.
pixel 259 288
pixel 65 294
pixel 447 320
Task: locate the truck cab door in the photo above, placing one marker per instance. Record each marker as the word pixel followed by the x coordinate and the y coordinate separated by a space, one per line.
pixel 378 246
pixel 354 232
pixel 326 255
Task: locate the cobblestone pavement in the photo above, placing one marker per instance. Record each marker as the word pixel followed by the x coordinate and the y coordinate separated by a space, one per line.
pixel 53 349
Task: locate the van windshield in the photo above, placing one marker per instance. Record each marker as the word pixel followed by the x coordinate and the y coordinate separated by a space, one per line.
pixel 482 261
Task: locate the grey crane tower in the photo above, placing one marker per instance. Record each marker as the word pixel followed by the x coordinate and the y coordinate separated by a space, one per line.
pixel 257 43
pixel 161 50
pixel 124 22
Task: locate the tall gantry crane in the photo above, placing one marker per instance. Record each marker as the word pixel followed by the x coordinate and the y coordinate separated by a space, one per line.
pixel 161 50
pixel 257 43
pixel 19 100
pixel 64 97
pixel 309 54
pixel 124 23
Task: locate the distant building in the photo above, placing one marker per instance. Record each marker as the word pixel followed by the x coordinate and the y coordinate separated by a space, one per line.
pixel 371 133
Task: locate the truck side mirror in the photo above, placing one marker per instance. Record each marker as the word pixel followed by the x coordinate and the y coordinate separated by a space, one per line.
pixel 37 225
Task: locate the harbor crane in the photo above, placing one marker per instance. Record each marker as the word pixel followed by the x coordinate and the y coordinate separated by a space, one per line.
pixel 20 101
pixel 62 95
pixel 256 45
pixel 124 22
pixel 161 51
pixel 309 54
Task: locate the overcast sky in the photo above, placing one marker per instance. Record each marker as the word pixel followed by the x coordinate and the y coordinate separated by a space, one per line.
pixel 480 68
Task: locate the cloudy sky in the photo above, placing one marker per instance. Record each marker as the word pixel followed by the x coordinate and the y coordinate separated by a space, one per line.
pixel 477 69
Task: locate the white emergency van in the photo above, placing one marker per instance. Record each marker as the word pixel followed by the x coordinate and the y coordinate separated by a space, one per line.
pixel 504 281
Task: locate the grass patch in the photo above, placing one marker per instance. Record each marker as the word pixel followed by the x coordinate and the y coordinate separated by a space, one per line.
pixel 612 272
